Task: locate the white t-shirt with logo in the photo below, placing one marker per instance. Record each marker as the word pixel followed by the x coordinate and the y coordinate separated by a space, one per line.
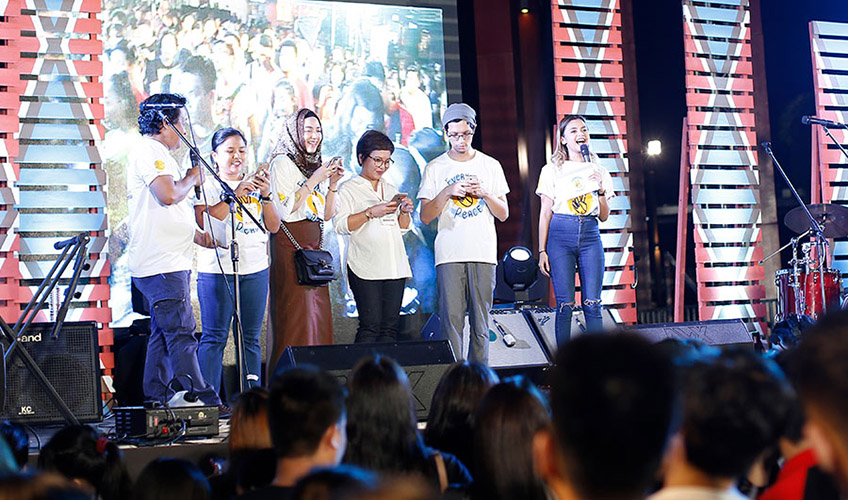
pixel 286 179
pixel 161 236
pixel 555 181
pixel 253 243
pixel 466 226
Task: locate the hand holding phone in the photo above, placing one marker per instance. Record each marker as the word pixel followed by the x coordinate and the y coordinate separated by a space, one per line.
pixel 398 198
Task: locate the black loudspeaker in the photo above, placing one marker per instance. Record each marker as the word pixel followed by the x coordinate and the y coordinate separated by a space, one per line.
pixel 71 365
pixel 544 319
pixel 423 361
pixel 526 352
pixel 720 332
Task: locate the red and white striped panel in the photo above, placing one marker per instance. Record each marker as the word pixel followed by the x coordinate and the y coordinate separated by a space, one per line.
pixel 589 80
pixel 723 159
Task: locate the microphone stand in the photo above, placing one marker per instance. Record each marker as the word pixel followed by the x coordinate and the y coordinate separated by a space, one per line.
pixel 232 200
pixel 818 229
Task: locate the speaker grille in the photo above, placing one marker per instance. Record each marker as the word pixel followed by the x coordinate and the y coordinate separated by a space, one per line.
pixel 70 364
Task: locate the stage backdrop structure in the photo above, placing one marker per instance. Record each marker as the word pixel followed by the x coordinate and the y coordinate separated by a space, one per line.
pixel 52 186
pixel 722 162
pixel 829 43
pixel 589 80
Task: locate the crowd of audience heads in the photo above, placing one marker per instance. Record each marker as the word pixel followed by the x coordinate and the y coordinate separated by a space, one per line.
pixel 619 419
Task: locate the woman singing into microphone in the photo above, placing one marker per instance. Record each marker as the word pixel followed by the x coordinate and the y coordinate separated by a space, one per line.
pixel 574 199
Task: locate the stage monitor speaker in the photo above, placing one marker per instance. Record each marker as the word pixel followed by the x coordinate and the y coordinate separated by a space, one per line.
pixel 70 363
pixel 544 319
pixel 423 361
pixel 719 332
pixel 526 352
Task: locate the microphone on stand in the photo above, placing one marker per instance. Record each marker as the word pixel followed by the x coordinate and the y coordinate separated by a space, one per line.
pixel 195 161
pixel 584 150
pixel 812 120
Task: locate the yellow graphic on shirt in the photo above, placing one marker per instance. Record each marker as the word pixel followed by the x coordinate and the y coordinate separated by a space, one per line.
pixel 467 201
pixel 582 205
pixel 311 203
pixel 251 203
pixel 159 165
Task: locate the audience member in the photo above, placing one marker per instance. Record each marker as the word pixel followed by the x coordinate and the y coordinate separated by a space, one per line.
pixel 800 476
pixel 613 403
pixel 342 482
pixel 249 433
pixel 820 371
pixel 450 422
pixel 18 440
pixel 45 486
pixel 734 407
pixel 171 479
pixel 508 417
pixel 382 431
pixel 306 411
pixel 91 462
pixel 400 488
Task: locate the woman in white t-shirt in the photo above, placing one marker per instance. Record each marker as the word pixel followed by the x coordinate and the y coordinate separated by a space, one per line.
pixel 305 196
pixel 574 188
pixel 215 277
pixel 375 216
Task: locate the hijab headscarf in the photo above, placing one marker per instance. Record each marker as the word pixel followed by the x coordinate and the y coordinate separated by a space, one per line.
pixel 292 144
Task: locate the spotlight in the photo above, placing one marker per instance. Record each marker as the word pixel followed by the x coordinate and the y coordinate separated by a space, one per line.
pixel 524 6
pixel 520 268
pixel 654 148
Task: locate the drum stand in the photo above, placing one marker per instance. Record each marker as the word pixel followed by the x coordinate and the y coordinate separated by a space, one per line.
pixel 816 228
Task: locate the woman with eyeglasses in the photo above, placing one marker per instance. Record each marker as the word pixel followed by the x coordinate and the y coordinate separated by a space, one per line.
pixel 375 216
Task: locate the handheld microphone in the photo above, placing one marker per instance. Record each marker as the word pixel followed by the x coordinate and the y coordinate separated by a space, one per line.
pixel 584 150
pixel 508 338
pixel 812 120
pixel 164 105
pixel 195 161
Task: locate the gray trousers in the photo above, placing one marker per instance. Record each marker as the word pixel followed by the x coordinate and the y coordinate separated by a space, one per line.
pixel 466 287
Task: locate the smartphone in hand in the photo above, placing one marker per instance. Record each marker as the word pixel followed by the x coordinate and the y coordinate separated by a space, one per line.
pixel 398 198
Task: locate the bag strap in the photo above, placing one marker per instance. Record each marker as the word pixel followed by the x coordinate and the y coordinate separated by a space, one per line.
pixel 294 241
pixel 443 473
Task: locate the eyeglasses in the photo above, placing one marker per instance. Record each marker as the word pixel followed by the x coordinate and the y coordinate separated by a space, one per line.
pixel 461 137
pixel 380 162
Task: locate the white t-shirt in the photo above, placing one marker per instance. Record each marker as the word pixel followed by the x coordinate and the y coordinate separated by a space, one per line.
pixel 375 250
pixel 466 226
pixel 554 181
pixel 286 179
pixel 161 236
pixel 253 243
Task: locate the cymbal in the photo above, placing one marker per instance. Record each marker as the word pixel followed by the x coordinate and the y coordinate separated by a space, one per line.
pixel 832 217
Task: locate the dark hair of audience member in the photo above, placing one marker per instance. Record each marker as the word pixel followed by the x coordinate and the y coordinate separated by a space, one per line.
pixel 450 422
pixel 400 488
pixel 611 393
pixel 735 406
pixel 150 121
pixel 508 418
pixel 18 440
pixel 80 454
pixel 370 141
pixel 381 428
pixel 304 402
pixel 44 486
pixel 171 479
pixel 249 429
pixel 334 483
pixel 255 469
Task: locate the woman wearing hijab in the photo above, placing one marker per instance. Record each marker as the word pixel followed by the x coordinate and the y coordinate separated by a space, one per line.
pixel 305 192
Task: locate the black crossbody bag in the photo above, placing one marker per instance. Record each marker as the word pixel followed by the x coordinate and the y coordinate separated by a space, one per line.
pixel 313 267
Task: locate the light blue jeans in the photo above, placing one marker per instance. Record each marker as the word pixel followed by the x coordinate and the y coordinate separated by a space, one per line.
pixel 574 245
pixel 217 314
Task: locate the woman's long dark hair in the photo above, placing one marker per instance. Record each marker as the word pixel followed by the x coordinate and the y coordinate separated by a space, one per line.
pixel 508 417
pixel 171 479
pixel 450 425
pixel 381 427
pixel 78 452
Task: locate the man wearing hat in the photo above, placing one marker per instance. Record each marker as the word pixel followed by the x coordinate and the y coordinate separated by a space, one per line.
pixel 466 190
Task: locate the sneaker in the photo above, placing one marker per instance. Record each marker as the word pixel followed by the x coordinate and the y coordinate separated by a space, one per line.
pixel 224 411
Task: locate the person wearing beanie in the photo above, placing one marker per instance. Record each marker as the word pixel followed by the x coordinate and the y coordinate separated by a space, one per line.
pixel 466 190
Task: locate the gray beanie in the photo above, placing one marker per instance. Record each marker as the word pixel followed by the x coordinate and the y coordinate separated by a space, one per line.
pixel 460 111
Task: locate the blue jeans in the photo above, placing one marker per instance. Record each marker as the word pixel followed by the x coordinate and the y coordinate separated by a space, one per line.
pixel 217 314
pixel 574 243
pixel 172 347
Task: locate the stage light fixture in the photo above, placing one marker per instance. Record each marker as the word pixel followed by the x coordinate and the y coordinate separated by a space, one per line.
pixel 520 269
pixel 524 6
pixel 654 148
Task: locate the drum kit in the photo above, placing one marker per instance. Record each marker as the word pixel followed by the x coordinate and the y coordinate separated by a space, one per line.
pixel 808 287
